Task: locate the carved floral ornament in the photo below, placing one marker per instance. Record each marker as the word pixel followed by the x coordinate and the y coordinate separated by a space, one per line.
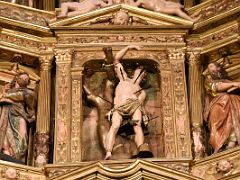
pixel 153 38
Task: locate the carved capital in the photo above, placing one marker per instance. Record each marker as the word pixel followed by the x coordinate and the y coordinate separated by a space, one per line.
pixel 194 57
pixel 63 56
pixel 176 54
pixel 46 62
pixel 41 148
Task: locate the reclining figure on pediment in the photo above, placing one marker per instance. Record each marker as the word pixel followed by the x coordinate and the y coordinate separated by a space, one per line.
pixel 165 7
pixel 70 9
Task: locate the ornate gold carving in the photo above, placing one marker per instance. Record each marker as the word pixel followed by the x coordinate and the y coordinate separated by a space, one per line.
pixel 29 44
pixel 168 125
pixel 77 115
pixel 176 54
pixel 213 37
pixel 19 172
pixel 177 57
pixel 149 38
pixel 63 106
pixel 218 7
pixel 225 164
pixel 24 14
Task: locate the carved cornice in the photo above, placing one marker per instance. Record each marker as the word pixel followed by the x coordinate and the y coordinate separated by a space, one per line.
pixel 131 171
pixel 25 17
pixel 207 168
pixel 214 10
pixel 113 38
pixel 25 42
pixel 10 170
pixel 215 38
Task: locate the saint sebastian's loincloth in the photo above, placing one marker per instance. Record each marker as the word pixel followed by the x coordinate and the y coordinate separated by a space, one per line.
pixel 126 110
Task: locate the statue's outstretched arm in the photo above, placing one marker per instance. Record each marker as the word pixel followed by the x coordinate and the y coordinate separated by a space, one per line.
pixel 121 74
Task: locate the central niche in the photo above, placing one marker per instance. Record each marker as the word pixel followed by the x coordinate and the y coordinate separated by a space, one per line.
pixel 98 94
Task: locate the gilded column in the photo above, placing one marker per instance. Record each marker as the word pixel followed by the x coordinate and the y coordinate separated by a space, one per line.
pixel 49 5
pixel 180 105
pixel 77 115
pixel 43 113
pixel 62 143
pixel 195 81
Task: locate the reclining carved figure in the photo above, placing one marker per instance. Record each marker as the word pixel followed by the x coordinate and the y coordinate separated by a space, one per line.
pixel 163 6
pixel 70 9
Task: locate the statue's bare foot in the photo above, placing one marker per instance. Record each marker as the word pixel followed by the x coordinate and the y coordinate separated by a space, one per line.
pixel 108 156
pixel 231 145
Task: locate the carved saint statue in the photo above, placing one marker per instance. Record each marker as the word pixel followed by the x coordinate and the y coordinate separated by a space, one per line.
pixel 222 109
pixel 70 9
pixel 123 148
pixel 128 101
pixel 163 6
pixel 16 109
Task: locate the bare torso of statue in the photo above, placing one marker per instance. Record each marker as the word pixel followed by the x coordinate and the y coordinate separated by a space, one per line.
pixel 128 101
pixel 163 6
pixel 125 89
pixel 70 9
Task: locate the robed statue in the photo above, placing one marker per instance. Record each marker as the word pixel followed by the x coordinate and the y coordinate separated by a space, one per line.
pixel 16 110
pixel 222 109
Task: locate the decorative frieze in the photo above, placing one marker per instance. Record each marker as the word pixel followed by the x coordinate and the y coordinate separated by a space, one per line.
pixel 136 38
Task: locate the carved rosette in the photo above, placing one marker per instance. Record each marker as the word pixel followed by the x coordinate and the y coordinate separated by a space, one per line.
pixel 182 131
pixel 63 106
pixel 77 115
pixel 195 101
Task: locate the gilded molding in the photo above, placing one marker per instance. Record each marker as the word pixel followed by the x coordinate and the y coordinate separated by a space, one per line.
pixel 26 42
pixel 24 14
pixel 77 115
pixel 210 168
pixel 209 8
pixel 136 38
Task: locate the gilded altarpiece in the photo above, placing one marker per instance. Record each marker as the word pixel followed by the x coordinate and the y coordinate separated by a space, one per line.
pixel 169 132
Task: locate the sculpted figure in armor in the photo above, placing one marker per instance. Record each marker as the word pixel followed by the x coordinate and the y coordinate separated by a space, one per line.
pixel 16 109
pixel 70 9
pixel 222 109
pixel 128 101
pixel 163 6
